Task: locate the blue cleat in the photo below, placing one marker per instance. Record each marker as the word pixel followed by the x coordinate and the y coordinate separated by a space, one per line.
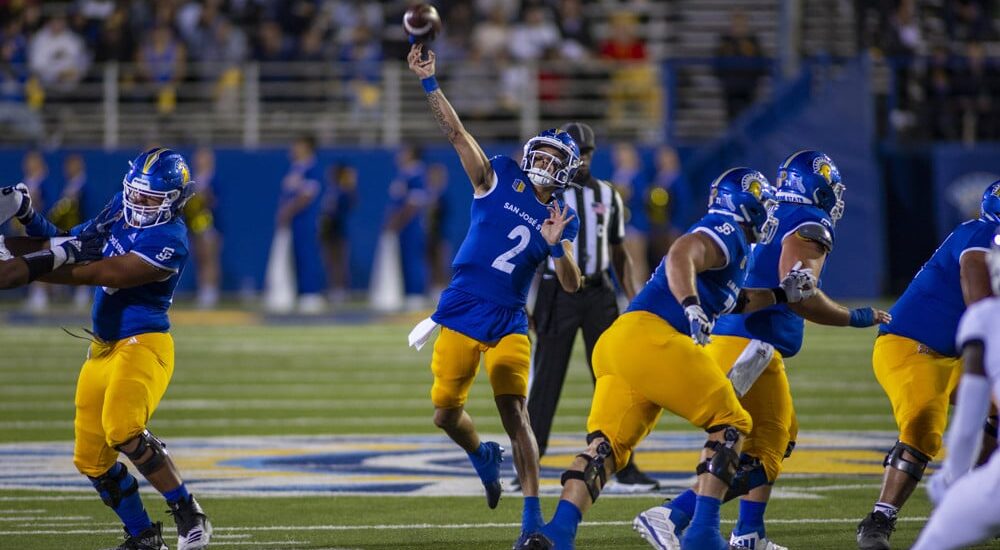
pixel 489 472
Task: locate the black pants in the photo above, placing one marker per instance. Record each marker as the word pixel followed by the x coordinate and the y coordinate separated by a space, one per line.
pixel 558 316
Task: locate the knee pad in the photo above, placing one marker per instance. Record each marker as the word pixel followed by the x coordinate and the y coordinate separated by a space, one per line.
pixel 725 462
pixel 750 474
pixel 108 485
pixel 147 442
pixel 593 474
pixel 895 460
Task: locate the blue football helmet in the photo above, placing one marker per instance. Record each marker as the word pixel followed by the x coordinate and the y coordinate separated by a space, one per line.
pixel 811 177
pixel 990 209
pixel 745 195
pixel 545 169
pixel 156 187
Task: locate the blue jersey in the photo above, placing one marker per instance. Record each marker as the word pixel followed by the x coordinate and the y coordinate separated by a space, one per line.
pixel 303 178
pixel 932 305
pixel 718 288
pixel 498 258
pixel 120 313
pixel 777 325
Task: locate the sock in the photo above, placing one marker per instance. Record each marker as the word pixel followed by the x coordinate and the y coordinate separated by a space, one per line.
pixel 706 512
pixel 684 502
pixel 130 510
pixel 177 495
pixel 531 515
pixel 751 518
pixel 565 520
pixel 482 459
pixel 888 509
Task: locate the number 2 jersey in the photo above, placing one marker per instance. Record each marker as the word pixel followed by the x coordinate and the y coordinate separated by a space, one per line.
pixel 498 258
pixel 122 312
pixel 930 308
pixel 718 287
pixel 777 325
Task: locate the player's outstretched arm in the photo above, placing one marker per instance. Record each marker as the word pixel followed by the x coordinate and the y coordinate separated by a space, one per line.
pixel 975 276
pixel 125 271
pixel 474 160
pixel 39 259
pixel 567 271
pixel 963 439
pixel 809 254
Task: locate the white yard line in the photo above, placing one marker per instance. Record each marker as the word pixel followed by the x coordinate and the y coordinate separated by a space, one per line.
pixel 430 526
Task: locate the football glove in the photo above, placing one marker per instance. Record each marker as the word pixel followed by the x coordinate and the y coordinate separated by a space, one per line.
pixel 699 324
pixel 88 247
pixel 15 202
pixel 799 284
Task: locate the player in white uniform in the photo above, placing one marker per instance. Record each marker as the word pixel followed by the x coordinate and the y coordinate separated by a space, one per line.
pixel 963 496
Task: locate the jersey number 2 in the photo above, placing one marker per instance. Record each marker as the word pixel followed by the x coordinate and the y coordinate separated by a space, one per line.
pixel 523 236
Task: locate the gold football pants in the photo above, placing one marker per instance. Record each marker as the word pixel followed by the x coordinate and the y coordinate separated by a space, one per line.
pixel 455 364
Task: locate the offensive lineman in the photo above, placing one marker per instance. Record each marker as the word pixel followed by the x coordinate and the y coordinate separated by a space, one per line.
pixel 517 223
pixel 652 359
pixel 917 364
pixel 131 357
pixel 964 497
pixel 810 198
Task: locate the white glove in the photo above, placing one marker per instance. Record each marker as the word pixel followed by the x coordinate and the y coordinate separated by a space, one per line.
pixel 799 284
pixel 938 485
pixel 700 326
pixel 15 202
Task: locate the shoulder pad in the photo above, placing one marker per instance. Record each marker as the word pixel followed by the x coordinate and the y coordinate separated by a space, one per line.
pixel 817 233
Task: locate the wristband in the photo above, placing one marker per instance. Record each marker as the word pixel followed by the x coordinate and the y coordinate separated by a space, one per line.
pixel 690 301
pixel 556 250
pixel 780 296
pixel 862 317
pixel 39 263
pixel 430 84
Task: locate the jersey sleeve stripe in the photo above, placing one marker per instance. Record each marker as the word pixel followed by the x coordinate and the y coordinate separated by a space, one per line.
pixel 718 240
pixel 153 262
pixel 973 249
pixel 493 186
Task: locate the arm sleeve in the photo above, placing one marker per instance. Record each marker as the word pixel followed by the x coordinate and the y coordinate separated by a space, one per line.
pixel 40 226
pixel 964 440
pixel 165 250
pixel 616 221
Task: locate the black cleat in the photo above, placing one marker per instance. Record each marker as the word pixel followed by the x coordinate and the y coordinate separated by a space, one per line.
pixel 150 539
pixel 537 541
pixel 193 527
pixel 493 492
pixel 631 479
pixel 874 531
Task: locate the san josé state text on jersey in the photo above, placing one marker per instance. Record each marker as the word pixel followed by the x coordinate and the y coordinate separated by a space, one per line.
pixel 777 325
pixel 930 308
pixel 504 245
pixel 124 312
pixel 718 288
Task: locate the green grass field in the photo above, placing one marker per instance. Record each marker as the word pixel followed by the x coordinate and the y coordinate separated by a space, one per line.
pixel 236 382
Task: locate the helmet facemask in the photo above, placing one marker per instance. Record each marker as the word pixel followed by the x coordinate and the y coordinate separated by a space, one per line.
pixel 546 168
pixel 837 211
pixel 993 264
pixel 765 233
pixel 144 207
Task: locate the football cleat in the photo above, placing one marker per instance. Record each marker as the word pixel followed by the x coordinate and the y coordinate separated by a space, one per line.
pixel 150 539
pixel 752 541
pixel 490 474
pixel 536 541
pixel 193 528
pixel 874 531
pixel 656 528
pixel 631 479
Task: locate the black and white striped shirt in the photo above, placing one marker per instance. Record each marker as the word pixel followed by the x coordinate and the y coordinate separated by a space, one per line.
pixel 602 223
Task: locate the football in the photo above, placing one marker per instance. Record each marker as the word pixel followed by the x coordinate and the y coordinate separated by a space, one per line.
pixel 422 22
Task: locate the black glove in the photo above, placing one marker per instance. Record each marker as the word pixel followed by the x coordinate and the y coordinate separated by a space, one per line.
pixel 88 247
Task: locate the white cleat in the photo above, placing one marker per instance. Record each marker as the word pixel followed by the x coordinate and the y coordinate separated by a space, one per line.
pixel 656 528
pixel 751 541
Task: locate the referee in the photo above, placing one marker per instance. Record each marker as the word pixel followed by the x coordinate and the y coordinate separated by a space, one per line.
pixel 558 315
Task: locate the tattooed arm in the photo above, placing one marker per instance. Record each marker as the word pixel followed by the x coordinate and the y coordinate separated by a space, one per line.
pixel 474 160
